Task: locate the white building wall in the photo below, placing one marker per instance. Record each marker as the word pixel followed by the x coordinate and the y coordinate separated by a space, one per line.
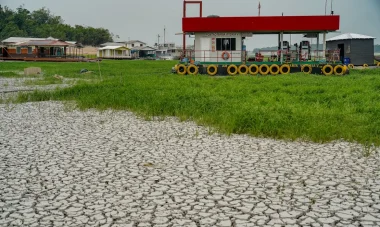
pixel 114 53
pixel 206 51
pixel 135 44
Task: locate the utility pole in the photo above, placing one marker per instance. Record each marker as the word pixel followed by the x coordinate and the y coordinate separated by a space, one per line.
pixel 332 12
pixel 164 35
pixel 259 8
pixel 326 8
pixel 158 44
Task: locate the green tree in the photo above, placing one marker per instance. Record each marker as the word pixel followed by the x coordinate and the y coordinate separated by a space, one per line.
pixel 42 23
pixel 11 29
pixel 41 16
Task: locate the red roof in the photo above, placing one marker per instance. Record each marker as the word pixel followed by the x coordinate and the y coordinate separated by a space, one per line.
pixel 45 43
pixel 262 24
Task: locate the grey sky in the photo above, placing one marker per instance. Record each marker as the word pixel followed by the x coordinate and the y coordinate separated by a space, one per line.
pixel 145 19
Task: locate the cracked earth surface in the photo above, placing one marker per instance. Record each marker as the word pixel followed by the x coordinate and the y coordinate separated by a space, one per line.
pixel 63 167
pixel 10 86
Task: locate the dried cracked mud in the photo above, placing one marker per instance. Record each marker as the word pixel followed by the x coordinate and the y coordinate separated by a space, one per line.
pixel 9 87
pixel 64 167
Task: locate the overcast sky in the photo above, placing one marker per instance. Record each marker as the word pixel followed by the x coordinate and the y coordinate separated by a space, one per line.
pixel 145 19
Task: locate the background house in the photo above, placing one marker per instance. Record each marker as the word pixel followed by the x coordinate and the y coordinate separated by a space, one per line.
pixel 129 44
pixel 359 48
pixel 19 47
pixel 10 47
pixel 113 44
pixel 168 51
pixel 114 52
pixel 134 43
pixel 136 48
pixel 143 52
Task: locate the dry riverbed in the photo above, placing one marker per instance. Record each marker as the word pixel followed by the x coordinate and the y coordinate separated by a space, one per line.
pixel 64 167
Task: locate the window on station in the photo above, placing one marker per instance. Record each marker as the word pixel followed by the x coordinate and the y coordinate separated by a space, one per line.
pixel 226 44
pixel 18 50
pixel 30 50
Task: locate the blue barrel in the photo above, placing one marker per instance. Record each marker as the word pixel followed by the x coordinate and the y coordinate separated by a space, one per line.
pixel 346 61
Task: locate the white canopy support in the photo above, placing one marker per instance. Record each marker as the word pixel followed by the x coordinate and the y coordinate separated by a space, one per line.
pixel 281 44
pixel 324 46
pixel 318 46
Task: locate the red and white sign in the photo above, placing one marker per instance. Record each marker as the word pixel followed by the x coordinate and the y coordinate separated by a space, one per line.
pixel 213 44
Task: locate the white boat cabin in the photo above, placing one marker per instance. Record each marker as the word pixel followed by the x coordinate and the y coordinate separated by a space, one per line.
pixel 223 47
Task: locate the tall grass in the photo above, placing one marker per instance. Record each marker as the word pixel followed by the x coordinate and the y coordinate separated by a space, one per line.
pixel 297 106
pixel 111 68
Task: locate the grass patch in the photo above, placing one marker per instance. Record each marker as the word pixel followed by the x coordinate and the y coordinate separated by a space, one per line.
pixel 368 150
pixel 47 80
pixel 297 106
pixel 11 74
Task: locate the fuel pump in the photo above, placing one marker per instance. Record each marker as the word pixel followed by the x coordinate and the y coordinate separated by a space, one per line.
pixel 285 50
pixel 305 51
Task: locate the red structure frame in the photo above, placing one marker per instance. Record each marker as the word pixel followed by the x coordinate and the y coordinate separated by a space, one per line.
pixel 257 25
pixel 262 24
pixel 185 3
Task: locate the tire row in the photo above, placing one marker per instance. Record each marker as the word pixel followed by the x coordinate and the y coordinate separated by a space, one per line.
pixel 352 66
pixel 264 69
pixel 338 70
pixel 232 70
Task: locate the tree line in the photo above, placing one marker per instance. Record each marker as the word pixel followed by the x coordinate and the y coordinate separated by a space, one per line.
pixel 42 23
pixel 377 48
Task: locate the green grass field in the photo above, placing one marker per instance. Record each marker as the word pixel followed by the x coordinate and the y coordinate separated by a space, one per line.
pixel 297 106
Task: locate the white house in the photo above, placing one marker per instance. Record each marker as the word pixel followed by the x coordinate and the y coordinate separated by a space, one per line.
pixel 112 44
pixel 143 52
pixel 134 43
pixel 114 52
pixel 168 51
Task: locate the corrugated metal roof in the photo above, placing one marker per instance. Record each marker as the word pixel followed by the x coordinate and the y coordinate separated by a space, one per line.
pixel 45 43
pixel 110 44
pixel 19 39
pixel 113 48
pixel 134 41
pixel 350 36
pixel 147 48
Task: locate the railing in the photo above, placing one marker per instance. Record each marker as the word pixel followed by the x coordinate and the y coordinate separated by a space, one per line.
pixel 293 55
pixel 115 57
pixel 269 55
pixel 217 56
